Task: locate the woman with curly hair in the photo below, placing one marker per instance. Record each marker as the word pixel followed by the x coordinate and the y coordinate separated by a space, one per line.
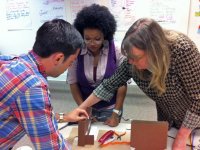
pixel 97 61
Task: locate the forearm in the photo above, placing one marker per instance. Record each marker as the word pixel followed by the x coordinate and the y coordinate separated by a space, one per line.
pixel 91 100
pixel 114 119
pixel 108 87
pixel 183 133
pixel 76 93
pixel 121 93
pixel 181 138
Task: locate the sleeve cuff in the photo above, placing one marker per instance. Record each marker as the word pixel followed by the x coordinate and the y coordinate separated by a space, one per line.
pixel 191 120
pixel 102 93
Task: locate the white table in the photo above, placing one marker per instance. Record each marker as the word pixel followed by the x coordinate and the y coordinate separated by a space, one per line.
pixel 94 128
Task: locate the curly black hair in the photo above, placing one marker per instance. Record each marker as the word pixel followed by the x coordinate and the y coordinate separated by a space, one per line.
pixel 97 17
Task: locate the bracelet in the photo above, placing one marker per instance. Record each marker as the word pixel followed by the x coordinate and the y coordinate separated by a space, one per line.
pixel 118 112
pixel 61 117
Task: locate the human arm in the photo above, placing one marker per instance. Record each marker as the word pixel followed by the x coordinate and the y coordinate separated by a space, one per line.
pixel 76 93
pixel 91 100
pixel 181 139
pixel 73 116
pixel 73 82
pixel 107 88
pixel 33 110
pixel 114 119
pixel 188 70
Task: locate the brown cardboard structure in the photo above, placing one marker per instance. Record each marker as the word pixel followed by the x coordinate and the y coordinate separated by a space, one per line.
pixel 149 135
pixel 83 131
pixel 74 133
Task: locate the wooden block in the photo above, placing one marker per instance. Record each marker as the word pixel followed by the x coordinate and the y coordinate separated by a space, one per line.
pixel 83 131
pixel 96 146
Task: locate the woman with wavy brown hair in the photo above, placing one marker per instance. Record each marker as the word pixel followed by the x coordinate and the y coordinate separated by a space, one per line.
pixel 165 64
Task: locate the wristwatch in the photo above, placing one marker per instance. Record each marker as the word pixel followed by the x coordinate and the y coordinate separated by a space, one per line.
pixel 61 117
pixel 118 112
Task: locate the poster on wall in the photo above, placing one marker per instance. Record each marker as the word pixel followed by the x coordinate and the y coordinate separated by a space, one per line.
pixel 167 13
pixel 51 9
pixel 124 13
pixel 18 15
pixel 194 22
pixel 77 5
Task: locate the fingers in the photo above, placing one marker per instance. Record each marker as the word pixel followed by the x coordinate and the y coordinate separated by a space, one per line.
pixel 94 120
pixel 107 121
pixel 112 122
pixel 82 118
pixel 82 113
pixel 77 114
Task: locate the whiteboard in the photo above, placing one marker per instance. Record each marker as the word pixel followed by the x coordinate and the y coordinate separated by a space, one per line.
pixel 125 11
pixel 167 13
pixel 18 41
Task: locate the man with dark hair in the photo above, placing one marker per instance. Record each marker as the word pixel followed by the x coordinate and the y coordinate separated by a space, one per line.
pixel 25 106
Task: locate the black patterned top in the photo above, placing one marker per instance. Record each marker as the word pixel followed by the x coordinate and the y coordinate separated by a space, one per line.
pixel 180 104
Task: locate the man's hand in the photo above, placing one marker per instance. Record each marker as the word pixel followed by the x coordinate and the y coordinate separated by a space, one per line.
pixel 181 139
pixel 74 116
pixel 112 121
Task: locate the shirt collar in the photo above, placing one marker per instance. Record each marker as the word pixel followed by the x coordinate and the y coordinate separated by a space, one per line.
pixel 37 61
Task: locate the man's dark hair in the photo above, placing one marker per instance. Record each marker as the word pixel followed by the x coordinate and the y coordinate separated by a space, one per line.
pixel 96 17
pixel 57 36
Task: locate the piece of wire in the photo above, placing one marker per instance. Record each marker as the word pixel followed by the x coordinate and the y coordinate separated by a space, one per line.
pixel 64 126
pixel 115 143
pixel 191 141
pixel 186 144
pixel 126 119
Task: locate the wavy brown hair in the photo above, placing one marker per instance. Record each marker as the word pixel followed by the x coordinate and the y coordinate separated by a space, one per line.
pixel 146 34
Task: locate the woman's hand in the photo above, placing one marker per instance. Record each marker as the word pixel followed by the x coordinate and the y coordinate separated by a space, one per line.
pixel 113 120
pixel 179 144
pixel 181 139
